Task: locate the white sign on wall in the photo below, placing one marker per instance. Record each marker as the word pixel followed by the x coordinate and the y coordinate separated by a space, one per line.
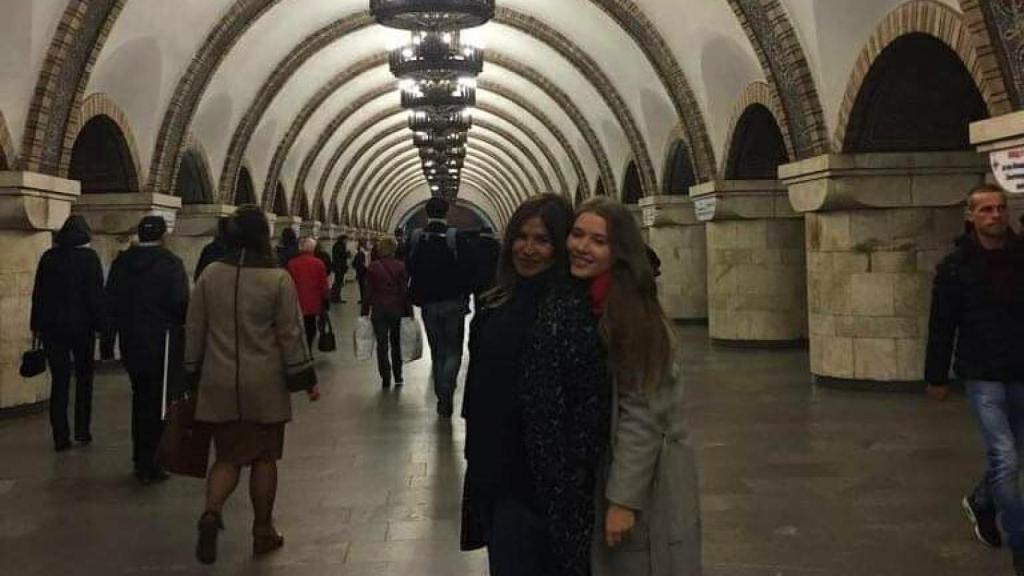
pixel 650 215
pixel 1008 168
pixel 705 208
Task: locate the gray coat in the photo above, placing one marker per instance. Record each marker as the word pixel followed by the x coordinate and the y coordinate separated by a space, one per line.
pixel 652 470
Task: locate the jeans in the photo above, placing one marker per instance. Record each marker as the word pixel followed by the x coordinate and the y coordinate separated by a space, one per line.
pixel 388 330
pixel 61 354
pixel 445 324
pixel 999 410
pixel 147 398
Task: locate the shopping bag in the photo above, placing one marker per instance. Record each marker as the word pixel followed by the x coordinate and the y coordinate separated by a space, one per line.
pixel 184 447
pixel 363 340
pixel 326 342
pixel 412 340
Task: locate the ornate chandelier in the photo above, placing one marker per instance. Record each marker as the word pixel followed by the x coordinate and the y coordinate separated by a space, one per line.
pixel 432 14
pixel 436 56
pixel 431 121
pixel 439 96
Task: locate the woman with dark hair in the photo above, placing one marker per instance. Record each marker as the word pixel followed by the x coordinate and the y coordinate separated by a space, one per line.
pixel 534 406
pixel 648 511
pixel 386 303
pixel 244 343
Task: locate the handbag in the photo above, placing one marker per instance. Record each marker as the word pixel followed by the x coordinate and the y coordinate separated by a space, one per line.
pixel 33 362
pixel 412 340
pixel 184 447
pixel 326 341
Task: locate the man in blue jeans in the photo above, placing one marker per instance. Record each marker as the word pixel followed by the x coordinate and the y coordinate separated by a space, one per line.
pixel 978 308
pixel 440 262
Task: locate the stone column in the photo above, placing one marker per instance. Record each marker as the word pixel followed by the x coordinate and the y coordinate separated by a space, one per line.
pixel 1002 139
pixel 114 218
pixel 32 206
pixel 679 240
pixel 876 226
pixel 310 229
pixel 195 228
pixel 757 272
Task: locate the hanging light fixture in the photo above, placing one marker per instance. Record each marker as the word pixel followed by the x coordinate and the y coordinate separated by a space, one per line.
pixel 439 96
pixel 432 121
pixel 432 14
pixel 436 55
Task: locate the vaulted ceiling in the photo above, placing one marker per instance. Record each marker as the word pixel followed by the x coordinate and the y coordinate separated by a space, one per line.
pixel 298 91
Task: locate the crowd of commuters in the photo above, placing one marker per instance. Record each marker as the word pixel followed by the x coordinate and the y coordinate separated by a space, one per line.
pixel 577 459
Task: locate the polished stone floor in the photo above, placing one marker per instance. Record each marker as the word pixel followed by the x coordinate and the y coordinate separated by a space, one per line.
pixel 796 481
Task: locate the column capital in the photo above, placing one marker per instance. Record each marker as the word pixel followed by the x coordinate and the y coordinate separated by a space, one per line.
pixel 201 219
pixel 741 200
pixel 894 180
pixel 32 201
pixel 311 228
pixel 664 211
pixel 117 213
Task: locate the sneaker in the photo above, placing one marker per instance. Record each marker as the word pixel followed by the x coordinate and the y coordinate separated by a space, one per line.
pixel 985 527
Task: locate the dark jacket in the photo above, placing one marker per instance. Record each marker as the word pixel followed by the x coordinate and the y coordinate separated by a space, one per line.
pixel 984 322
pixel 147 291
pixel 565 395
pixel 340 257
pixel 387 288
pixel 497 466
pixel 325 258
pixel 211 253
pixel 437 272
pixel 486 251
pixel 359 263
pixel 67 298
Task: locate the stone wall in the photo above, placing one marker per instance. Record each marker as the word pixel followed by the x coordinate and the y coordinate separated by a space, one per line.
pixel 869 289
pixel 17 275
pixel 757 280
pixel 683 285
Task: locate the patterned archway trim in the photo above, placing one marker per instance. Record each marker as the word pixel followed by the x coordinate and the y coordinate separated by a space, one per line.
pixel 7 144
pixel 412 185
pixel 195 146
pixel 678 134
pixel 999 43
pixel 755 93
pixel 595 75
pixel 409 175
pixel 498 144
pixel 100 105
pixel 645 34
pixel 280 76
pixel 81 34
pixel 495 135
pixel 798 113
pixel 917 16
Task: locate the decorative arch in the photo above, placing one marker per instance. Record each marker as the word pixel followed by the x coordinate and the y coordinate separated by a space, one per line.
pixel 790 81
pixel 101 106
pixel 194 183
pixel 278 202
pixel 245 190
pixel 100 158
pixel 679 174
pixel 993 25
pixel 632 189
pixel 926 17
pixel 8 157
pixel 51 128
pixel 301 205
pixel 757 144
pixel 599 189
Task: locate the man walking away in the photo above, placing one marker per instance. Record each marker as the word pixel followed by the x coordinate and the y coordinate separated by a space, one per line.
pixel 440 267
pixel 360 263
pixel 310 277
pixel 215 250
pixel 67 312
pixel 148 295
pixel 978 308
pixel 340 261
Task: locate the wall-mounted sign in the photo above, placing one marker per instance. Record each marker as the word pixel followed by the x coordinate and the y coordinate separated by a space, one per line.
pixel 650 215
pixel 1008 168
pixel 705 207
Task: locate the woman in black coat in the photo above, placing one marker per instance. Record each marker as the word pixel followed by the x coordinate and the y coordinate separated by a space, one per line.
pixel 535 406
pixel 67 312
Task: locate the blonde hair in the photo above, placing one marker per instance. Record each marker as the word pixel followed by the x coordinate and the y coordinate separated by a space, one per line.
pixel 387 247
pixel 307 245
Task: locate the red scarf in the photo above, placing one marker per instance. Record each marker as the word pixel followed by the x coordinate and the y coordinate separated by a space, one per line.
pixel 599 288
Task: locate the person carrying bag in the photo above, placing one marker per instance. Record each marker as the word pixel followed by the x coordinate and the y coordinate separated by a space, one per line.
pixel 386 304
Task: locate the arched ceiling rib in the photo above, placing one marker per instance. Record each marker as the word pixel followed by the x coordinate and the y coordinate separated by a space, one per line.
pixel 410 179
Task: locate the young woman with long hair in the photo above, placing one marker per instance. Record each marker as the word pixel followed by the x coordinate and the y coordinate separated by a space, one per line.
pixel 535 406
pixel 648 512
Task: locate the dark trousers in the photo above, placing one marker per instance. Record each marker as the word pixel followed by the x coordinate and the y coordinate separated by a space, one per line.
pixel 310 324
pixel 361 280
pixel 518 544
pixel 445 324
pixel 388 330
pixel 63 354
pixel 147 397
pixel 339 283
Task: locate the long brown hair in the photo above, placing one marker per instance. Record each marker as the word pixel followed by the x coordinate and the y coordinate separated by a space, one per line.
pixel 634 327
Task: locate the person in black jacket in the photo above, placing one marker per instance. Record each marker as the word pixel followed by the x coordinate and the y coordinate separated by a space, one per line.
pixel 340 258
pixel 67 312
pixel 215 250
pixel 486 252
pixel 148 294
pixel 360 263
pixel 289 247
pixel 978 309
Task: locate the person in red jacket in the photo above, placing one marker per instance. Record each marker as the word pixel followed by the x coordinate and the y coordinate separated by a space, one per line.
pixel 387 285
pixel 310 277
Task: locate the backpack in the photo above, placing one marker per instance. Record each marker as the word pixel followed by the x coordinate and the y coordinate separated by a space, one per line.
pixel 449 238
pixel 420 283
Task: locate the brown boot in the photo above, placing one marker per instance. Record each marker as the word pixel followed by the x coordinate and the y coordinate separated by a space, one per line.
pixel 209 526
pixel 265 539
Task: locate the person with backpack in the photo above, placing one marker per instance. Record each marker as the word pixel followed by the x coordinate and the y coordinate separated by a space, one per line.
pixel 440 266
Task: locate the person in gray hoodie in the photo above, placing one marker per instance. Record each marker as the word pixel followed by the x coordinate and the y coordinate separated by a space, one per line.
pixel 67 312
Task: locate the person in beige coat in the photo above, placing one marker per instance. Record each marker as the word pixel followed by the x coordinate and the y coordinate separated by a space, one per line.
pixel 648 514
pixel 245 348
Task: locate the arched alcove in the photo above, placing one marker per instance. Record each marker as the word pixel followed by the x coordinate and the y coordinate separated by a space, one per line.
pixel 280 201
pixel 335 216
pixel 757 148
pixel 917 97
pixel 244 191
pixel 632 189
pixel 577 198
pixel 101 159
pixel 193 184
pixel 304 206
pixel 599 188
pixel 679 175
pixel 4 164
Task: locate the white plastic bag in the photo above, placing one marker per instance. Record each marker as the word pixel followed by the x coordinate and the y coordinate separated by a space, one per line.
pixel 363 340
pixel 412 340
